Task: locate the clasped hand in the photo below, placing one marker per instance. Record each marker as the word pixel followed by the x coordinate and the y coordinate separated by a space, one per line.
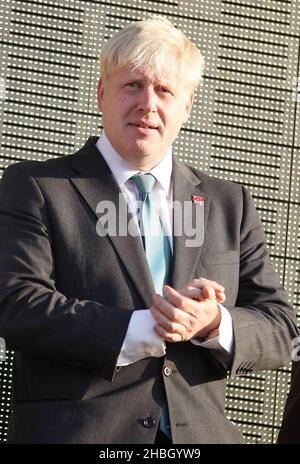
pixel 190 312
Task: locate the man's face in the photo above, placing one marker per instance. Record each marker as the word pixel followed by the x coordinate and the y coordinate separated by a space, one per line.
pixel 142 116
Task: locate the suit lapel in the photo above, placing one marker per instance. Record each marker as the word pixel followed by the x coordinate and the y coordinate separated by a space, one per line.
pixel 185 259
pixel 95 183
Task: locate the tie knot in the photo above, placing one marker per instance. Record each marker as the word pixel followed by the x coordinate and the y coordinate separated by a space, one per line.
pixel 144 182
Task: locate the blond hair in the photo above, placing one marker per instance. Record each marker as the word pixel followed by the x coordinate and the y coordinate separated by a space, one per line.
pixel 154 45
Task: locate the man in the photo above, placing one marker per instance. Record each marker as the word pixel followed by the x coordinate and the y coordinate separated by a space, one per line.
pixel 104 353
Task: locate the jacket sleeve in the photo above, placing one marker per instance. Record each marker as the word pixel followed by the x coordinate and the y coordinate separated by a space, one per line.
pixel 263 321
pixel 34 316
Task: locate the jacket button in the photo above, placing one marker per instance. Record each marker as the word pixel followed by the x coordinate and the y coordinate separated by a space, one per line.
pixel 167 371
pixel 149 422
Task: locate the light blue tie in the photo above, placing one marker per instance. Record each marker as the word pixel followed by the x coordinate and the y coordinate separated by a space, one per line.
pixel 156 243
pixel 157 250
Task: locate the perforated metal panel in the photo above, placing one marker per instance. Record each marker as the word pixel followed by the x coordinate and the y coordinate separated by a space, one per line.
pixel 244 126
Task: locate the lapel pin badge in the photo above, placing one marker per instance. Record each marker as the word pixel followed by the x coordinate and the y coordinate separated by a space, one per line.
pixel 198 200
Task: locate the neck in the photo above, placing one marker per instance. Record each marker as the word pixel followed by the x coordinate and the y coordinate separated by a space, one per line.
pixel 145 163
pixel 145 166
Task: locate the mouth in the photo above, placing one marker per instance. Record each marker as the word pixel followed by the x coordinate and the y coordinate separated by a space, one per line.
pixel 147 127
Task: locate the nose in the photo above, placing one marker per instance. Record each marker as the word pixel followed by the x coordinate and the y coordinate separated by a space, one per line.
pixel 147 102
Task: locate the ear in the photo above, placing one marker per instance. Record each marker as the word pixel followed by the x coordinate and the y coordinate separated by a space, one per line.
pixel 100 92
pixel 188 107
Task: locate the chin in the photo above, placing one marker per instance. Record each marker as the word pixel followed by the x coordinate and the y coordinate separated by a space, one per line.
pixel 142 150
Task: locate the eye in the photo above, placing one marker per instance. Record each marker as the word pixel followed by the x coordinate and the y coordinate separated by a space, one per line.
pixel 133 85
pixel 165 90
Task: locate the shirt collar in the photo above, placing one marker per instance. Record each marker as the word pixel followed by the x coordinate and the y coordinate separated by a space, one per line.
pixel 122 170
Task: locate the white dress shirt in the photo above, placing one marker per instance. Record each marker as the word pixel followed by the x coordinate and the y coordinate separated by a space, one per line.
pixel 141 340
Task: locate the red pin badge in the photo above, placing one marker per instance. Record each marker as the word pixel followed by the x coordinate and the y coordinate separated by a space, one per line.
pixel 197 200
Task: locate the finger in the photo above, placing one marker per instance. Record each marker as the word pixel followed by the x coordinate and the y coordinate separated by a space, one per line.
pixel 202 282
pixel 221 297
pixel 180 302
pixel 165 323
pixel 197 294
pixel 169 337
pixel 209 293
pixel 172 313
pixel 191 292
pixel 165 306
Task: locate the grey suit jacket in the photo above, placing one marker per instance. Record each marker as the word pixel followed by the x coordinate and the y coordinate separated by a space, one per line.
pixel 67 295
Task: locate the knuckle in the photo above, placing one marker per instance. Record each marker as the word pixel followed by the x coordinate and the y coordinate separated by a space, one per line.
pixel 181 300
pixel 200 282
pixel 197 292
pixel 173 313
pixel 192 325
pixel 172 327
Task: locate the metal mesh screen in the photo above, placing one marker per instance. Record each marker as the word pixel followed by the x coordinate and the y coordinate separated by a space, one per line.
pixel 244 126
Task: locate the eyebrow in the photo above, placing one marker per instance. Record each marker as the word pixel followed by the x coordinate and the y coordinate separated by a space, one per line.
pixel 140 79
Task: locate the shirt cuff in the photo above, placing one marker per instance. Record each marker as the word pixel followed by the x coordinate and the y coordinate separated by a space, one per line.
pixel 222 339
pixel 141 341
